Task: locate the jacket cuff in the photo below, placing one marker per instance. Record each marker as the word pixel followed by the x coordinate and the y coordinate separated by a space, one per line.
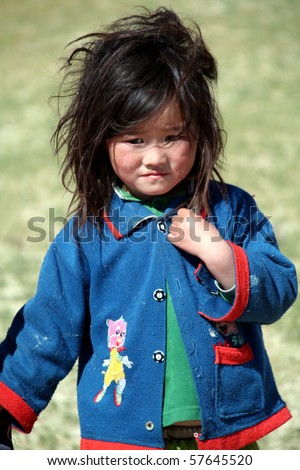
pixel 24 415
pixel 216 309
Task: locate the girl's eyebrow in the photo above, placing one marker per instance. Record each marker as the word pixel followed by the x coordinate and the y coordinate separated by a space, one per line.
pixel 171 127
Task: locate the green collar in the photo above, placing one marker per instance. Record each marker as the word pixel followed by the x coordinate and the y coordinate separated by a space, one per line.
pixel 157 204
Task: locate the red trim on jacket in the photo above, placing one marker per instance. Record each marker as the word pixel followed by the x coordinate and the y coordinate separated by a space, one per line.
pixel 17 407
pixel 233 356
pixel 247 436
pixel 90 444
pixel 242 278
pixel 234 441
pixel 111 227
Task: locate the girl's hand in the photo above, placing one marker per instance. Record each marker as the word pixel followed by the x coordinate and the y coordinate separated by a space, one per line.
pixel 198 237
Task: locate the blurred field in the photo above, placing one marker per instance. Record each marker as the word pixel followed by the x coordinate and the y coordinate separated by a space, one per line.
pixel 257 45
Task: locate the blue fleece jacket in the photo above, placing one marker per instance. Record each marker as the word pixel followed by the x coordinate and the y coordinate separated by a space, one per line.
pixel 102 298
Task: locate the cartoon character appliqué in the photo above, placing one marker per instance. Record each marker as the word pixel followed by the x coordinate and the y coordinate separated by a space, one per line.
pixel 231 333
pixel 115 372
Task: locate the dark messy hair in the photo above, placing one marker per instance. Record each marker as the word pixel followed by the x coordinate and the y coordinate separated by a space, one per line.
pixel 123 76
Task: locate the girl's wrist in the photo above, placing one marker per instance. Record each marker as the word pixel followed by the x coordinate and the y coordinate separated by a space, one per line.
pixel 219 261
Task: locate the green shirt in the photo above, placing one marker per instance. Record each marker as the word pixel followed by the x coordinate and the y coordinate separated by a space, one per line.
pixel 180 400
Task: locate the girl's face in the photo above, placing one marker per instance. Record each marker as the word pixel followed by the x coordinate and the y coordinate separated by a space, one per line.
pixel 148 160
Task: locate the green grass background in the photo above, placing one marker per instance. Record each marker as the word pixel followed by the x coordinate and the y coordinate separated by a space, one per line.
pixel 257 44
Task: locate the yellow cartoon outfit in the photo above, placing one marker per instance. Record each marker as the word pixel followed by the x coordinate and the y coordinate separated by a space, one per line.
pixel 115 369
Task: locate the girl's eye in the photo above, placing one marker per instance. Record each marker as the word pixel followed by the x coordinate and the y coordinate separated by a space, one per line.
pixel 171 138
pixel 136 141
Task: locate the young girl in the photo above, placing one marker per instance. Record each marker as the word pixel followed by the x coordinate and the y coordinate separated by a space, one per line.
pixel 161 280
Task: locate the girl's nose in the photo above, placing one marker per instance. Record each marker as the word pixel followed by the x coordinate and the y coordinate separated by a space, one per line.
pixel 155 156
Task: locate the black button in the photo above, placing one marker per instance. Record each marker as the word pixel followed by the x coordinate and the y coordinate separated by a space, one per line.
pixel 159 295
pixel 162 226
pixel 158 357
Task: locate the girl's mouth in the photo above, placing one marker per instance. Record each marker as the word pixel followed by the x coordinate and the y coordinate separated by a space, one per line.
pixel 155 175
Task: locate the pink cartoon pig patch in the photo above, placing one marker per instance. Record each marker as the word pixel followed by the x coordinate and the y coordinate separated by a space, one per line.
pixel 115 364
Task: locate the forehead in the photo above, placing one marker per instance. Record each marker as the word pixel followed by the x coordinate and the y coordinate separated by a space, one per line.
pixel 168 118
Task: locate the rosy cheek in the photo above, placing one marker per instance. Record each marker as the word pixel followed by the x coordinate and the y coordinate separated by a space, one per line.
pixel 126 165
pixel 122 161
